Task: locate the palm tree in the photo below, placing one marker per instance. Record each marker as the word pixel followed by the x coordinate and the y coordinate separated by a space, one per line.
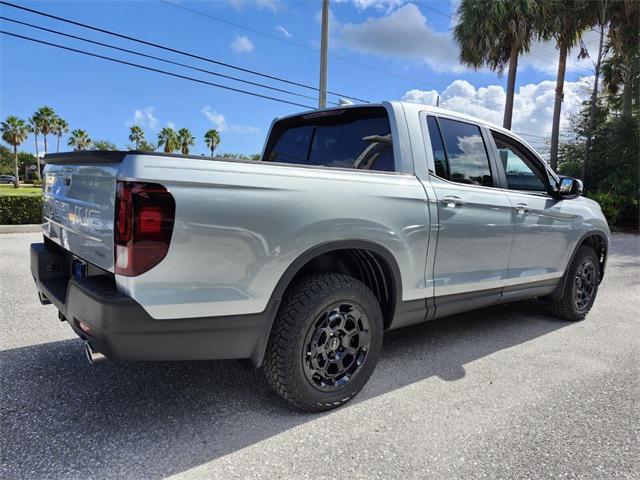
pixel 186 140
pixel 212 139
pixel 14 132
pixel 146 146
pixel 493 33
pixel 566 22
pixel 34 127
pixel 601 22
pixel 136 135
pixel 624 37
pixel 104 145
pixel 79 140
pixel 47 120
pixel 169 139
pixel 60 127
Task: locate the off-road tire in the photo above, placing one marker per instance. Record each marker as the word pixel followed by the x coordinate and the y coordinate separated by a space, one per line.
pixel 565 305
pixel 302 304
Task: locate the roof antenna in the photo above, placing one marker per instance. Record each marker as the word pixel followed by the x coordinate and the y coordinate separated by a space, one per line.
pixel 344 101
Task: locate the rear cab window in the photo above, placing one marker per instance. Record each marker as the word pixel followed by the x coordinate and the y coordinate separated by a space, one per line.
pixel 358 138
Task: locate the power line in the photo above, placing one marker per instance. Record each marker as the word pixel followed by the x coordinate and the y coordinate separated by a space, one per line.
pixel 164 60
pixel 300 45
pixel 94 42
pixel 429 7
pixel 151 69
pixel 173 50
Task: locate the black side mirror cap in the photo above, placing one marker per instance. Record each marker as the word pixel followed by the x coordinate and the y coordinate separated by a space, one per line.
pixel 569 188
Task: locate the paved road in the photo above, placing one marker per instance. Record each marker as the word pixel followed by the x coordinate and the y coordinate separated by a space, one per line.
pixel 504 392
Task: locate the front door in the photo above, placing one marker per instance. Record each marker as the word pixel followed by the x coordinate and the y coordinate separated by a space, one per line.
pixel 475 221
pixel 543 230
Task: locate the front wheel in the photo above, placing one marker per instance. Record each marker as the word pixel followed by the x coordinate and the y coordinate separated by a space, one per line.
pixel 580 286
pixel 325 342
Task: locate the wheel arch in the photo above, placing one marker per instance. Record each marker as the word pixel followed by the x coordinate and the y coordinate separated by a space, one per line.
pixel 366 260
pixel 596 239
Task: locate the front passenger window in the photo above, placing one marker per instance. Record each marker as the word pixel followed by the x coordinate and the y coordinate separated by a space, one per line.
pixel 520 176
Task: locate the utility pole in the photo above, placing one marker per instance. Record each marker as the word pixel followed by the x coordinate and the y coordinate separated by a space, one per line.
pixel 324 44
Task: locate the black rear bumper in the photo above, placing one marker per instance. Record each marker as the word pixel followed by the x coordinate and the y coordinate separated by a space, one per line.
pixel 121 329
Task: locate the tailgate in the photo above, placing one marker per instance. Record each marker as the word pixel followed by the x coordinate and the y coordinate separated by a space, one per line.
pixel 78 208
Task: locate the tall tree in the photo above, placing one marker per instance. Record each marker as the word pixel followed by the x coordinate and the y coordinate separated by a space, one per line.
pixel 14 132
pixel 624 38
pixel 79 140
pixel 493 33
pixel 104 145
pixel 601 22
pixel 34 126
pixel 212 139
pixel 566 22
pixel 186 140
pixel 146 146
pixel 168 139
pixel 136 135
pixel 47 119
pixel 60 127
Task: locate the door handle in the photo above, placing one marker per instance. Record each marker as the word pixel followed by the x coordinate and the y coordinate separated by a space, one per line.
pixel 452 201
pixel 522 208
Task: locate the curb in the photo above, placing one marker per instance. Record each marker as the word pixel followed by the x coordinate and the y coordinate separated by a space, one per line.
pixel 20 228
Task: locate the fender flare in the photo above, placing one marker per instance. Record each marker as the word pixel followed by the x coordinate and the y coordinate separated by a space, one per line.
pixel 294 268
pixel 557 293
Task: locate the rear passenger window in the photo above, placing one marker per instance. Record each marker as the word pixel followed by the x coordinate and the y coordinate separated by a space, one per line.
pixel 439 155
pixel 358 138
pixel 465 156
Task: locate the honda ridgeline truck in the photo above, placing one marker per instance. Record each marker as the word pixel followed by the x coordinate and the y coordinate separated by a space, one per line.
pixel 355 221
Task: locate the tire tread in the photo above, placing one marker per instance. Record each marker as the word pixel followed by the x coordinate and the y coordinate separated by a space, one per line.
pixel 299 299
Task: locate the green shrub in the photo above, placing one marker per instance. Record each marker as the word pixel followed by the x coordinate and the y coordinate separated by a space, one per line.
pixel 20 210
pixel 36 182
pixel 620 210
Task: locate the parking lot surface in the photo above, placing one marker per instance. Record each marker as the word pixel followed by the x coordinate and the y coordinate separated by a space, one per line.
pixel 504 392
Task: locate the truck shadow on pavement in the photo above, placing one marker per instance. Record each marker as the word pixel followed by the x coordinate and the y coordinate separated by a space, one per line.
pixel 62 418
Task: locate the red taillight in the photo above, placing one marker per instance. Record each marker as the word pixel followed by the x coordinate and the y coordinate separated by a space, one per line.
pixel 145 213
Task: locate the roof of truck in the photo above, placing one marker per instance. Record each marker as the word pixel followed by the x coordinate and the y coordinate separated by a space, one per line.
pixel 415 107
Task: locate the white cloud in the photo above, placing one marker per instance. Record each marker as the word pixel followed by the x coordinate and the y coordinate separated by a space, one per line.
pixel 532 110
pixel 242 44
pixel 145 118
pixel 219 122
pixel 217 119
pixel 273 5
pixel 381 5
pixel 283 31
pixel 403 33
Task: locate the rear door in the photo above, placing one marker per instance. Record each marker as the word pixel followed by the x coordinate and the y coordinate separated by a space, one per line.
pixel 475 227
pixel 79 205
pixel 543 230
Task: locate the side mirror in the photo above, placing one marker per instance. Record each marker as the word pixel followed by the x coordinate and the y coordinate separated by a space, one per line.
pixel 569 188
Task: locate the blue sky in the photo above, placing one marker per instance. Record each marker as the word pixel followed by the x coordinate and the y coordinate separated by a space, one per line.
pixel 410 41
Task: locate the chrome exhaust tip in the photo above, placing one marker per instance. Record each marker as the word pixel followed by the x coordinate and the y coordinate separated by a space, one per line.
pixel 92 355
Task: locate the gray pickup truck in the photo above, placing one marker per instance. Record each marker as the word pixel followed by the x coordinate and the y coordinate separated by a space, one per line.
pixel 356 220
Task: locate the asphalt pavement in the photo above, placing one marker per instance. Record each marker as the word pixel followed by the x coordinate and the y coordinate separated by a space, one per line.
pixel 503 392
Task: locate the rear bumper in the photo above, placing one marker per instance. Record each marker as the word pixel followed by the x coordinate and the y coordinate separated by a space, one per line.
pixel 121 329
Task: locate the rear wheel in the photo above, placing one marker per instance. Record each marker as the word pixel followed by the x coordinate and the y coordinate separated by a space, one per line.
pixel 580 286
pixel 325 342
